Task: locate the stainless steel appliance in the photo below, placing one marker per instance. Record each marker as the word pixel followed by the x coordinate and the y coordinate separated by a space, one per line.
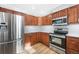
pixel 58 42
pixel 11 33
pixel 60 21
pixel 58 38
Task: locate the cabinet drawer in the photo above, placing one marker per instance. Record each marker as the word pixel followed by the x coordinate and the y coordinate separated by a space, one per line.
pixel 73 45
pixel 71 51
pixel 74 48
pixel 73 40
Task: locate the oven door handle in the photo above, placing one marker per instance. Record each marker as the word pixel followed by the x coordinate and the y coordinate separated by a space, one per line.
pixel 57 37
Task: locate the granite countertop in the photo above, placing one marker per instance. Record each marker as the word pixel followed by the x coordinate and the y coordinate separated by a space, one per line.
pixel 73 35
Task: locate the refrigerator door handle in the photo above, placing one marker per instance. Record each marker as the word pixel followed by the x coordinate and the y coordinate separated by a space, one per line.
pixel 22 28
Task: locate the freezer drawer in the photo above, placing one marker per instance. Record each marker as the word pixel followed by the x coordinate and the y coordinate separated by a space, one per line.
pixel 8 48
pixel 1 48
pixel 1 37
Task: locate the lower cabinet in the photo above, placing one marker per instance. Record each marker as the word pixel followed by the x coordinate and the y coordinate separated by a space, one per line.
pixel 72 46
pixel 27 39
pixel 45 38
pixel 30 38
pixel 33 38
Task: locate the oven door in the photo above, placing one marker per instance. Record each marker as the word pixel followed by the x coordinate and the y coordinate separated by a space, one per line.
pixel 58 41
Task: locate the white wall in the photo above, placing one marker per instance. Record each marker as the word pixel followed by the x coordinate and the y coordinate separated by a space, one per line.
pixel 73 30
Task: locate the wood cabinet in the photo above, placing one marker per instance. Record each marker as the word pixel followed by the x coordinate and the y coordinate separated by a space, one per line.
pixel 55 15
pixel 31 20
pixel 72 15
pixel 28 20
pixel 27 39
pixel 72 46
pixel 46 20
pixel 34 38
pixel 78 12
pixel 31 38
pixel 39 36
pixel 45 38
pixel 60 13
pixel 34 20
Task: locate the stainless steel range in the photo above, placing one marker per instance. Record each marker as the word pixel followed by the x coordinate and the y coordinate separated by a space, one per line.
pixel 58 38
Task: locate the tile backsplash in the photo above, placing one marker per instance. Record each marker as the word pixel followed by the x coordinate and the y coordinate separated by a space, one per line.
pixel 73 30
pixel 32 29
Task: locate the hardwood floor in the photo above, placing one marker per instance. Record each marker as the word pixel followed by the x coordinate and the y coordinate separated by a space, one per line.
pixel 38 48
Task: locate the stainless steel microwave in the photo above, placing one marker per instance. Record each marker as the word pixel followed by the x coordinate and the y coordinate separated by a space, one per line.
pixel 60 21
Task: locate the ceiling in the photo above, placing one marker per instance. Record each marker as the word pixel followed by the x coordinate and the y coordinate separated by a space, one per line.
pixel 36 9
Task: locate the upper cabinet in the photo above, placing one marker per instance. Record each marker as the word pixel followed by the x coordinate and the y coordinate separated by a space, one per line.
pixel 55 15
pixel 34 20
pixel 31 20
pixel 28 20
pixel 73 15
pixel 46 20
pixel 78 12
pixel 60 13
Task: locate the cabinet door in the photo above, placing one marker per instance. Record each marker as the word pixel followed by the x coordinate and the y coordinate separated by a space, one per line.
pixel 46 20
pixel 55 15
pixel 34 21
pixel 62 13
pixel 28 20
pixel 27 39
pixel 45 38
pixel 39 36
pixel 31 20
pixel 72 15
pixel 72 45
pixel 78 12
pixel 30 38
pixel 33 38
pixel 43 21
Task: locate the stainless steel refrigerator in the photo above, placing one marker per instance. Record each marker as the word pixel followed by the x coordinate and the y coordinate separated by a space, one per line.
pixel 11 33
